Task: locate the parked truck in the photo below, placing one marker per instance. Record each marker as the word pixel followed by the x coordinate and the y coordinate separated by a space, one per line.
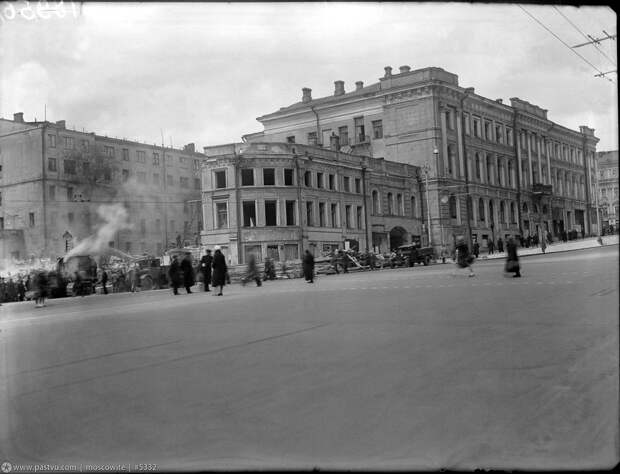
pixel 413 254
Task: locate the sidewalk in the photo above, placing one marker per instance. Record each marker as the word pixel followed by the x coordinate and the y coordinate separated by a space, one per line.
pixel 559 247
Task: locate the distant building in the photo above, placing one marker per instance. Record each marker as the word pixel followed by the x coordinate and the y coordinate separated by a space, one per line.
pixel 494 169
pixel 53 180
pixel 278 199
pixel 607 164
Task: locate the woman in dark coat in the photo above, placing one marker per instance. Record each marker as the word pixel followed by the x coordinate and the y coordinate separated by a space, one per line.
pixel 174 273
pixel 463 257
pixel 308 265
pixel 188 272
pixel 512 260
pixel 220 269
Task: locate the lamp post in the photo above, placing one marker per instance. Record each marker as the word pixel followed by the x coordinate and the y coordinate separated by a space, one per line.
pixel 466 94
pixel 426 168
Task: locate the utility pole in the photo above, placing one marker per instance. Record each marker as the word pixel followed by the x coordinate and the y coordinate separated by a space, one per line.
pixel 596 40
pixel 467 92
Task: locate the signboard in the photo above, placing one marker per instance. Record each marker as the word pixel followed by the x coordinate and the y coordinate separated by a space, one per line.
pixel 539 188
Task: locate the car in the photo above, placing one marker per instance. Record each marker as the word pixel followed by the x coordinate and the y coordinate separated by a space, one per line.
pixel 416 254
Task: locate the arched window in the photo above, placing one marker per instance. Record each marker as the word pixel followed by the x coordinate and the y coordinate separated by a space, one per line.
pixel 390 204
pixel 525 207
pixel 489 174
pixel 399 202
pixel 478 167
pixel 413 207
pixel 470 208
pixel 451 156
pixel 481 209
pixel 502 212
pixel 452 207
pixel 512 212
pixel 375 202
pixel 491 214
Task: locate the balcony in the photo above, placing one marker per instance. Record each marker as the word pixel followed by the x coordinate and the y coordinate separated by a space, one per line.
pixel 541 189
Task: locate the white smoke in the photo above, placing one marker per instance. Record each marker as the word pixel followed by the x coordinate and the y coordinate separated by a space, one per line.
pixel 115 219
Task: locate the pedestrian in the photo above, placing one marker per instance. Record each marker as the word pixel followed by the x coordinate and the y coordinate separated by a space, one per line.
pixel 21 290
pixel 270 269
pixel 188 272
pixel 500 245
pixel 41 284
pixel 220 270
pixel 205 267
pixel 334 262
pixel 543 244
pixel 343 260
pixel 491 247
pixel 174 273
pixel 104 281
pixel 476 249
pixel 252 273
pixel 528 241
pixel 549 238
pixel 308 265
pixel 135 278
pixel 463 258
pixel 512 259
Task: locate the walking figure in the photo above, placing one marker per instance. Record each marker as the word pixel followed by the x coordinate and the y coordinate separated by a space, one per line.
pixel 174 273
pixel 205 267
pixel 41 282
pixel 188 272
pixel 220 270
pixel 500 245
pixel 308 267
pixel 252 273
pixel 104 281
pixel 491 247
pixel 463 258
pixel 512 260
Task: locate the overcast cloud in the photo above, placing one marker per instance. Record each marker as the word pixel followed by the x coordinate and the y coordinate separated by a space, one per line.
pixel 203 72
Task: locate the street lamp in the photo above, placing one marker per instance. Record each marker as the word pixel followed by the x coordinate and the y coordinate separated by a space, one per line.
pixel 426 168
pixel 467 92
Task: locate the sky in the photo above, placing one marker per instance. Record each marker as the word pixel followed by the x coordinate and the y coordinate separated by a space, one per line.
pixel 203 72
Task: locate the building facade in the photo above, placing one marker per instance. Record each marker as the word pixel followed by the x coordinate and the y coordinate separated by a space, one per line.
pixel 54 180
pixel 278 199
pixel 494 170
pixel 607 168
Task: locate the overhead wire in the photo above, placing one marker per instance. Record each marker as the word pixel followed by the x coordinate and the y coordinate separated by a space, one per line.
pixel 598 48
pixel 565 44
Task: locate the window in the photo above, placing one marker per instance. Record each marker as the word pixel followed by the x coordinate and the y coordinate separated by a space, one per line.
pixel 156 179
pixel 309 214
pixel 288 177
pixel 489 174
pixel 247 177
pixel 1 223
pixel 467 123
pixel 498 134
pixel 0 199
pixel 487 130
pixel 69 166
pixel 347 216
pixel 220 179
pixel 347 184
pixel 269 176
pixel 221 215
pixel 358 186
pixel 141 176
pixel 332 182
pixel 312 138
pixel 399 204
pixel 334 215
pixel 125 152
pixel 377 129
pixel 509 136
pixel 476 127
pixel 477 166
pixel 290 139
pixel 512 212
pixel 451 158
pixel 184 182
pixel 481 216
pixel 109 151
pixel 197 183
pixel 321 214
pixel 375 202
pixel 358 217
pixel 51 141
pixel 196 165
pixel 450 118
pixel 125 176
pixel 319 180
pixel 502 212
pixel 31 219
pixel 510 173
pixel 271 214
pixel 183 160
pixel 290 212
pixel 413 207
pixel 343 133
pixel 155 159
pixel 170 180
pixel 107 175
pixel 525 207
pixel 390 204
pixel 249 213
pixel 141 156
pixel 51 164
pixel 308 178
pixel 360 131
pixel 69 143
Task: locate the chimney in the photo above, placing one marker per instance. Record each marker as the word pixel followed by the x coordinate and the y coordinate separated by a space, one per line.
pixel 190 147
pixel 388 71
pixel 359 85
pixel 499 101
pixel 339 88
pixel 404 69
pixel 18 117
pixel 307 94
pixel 61 123
pixel 334 142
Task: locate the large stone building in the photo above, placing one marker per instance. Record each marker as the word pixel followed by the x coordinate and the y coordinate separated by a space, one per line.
pixel 53 180
pixel 494 169
pixel 607 164
pixel 278 199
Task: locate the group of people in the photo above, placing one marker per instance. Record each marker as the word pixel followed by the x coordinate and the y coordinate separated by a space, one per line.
pixel 213 269
pixel 464 259
pixel 36 282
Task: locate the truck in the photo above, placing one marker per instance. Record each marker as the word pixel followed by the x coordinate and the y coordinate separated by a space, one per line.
pixel 80 273
pixel 413 253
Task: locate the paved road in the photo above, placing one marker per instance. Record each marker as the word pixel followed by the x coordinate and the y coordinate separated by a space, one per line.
pixel 406 368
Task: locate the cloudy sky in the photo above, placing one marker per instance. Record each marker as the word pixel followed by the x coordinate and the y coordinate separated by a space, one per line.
pixel 203 72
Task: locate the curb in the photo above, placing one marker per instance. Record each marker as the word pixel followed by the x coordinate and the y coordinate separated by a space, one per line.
pixel 548 253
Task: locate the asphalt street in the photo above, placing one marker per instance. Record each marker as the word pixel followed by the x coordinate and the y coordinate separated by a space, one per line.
pixel 412 368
